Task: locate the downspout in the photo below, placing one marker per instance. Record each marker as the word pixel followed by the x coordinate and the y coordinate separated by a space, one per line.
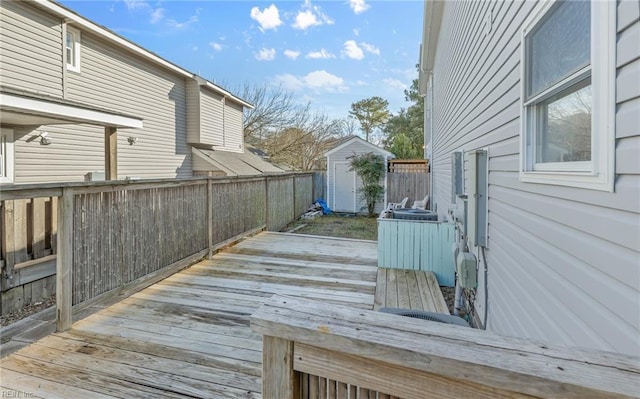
pixel 461 247
pixel 64 58
pixel 430 164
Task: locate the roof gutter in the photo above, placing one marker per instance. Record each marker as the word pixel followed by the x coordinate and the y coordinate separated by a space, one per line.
pixel 204 82
pixel 431 30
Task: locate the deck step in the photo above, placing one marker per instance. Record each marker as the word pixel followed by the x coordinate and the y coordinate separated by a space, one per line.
pixel 410 289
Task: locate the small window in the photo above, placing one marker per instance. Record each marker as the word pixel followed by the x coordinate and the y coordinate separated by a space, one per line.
pixel 72 48
pixel 6 156
pixel 568 79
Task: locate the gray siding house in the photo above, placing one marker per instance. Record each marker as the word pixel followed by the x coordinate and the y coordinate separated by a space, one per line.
pixel 533 112
pixel 101 102
pixel 343 184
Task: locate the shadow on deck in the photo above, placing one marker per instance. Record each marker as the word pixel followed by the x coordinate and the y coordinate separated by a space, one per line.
pixel 189 335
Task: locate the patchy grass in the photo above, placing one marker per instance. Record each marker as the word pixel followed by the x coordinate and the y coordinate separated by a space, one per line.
pixel 359 227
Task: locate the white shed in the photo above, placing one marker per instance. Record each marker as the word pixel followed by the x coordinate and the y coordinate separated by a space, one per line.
pixel 342 183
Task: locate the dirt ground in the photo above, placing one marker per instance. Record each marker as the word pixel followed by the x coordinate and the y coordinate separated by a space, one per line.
pixel 27 311
pixel 345 226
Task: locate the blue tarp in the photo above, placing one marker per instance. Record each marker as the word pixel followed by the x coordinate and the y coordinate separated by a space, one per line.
pixel 325 208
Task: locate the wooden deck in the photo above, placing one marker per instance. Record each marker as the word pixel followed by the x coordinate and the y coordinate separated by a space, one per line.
pixel 189 336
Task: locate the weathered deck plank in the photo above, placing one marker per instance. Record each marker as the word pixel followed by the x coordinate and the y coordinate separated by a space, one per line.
pixel 189 335
pixel 411 289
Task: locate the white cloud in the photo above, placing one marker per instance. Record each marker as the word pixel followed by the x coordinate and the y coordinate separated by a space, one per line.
pixel 318 81
pixel 194 48
pixel 292 54
pixel 394 83
pixel 370 48
pixel 306 19
pixel 322 54
pixel 352 50
pixel 324 80
pixel 269 18
pixel 216 46
pixel 157 15
pixel 290 82
pixel 181 25
pixel 311 15
pixel 135 4
pixel 266 54
pixel 358 6
pixel 356 31
pixel 361 83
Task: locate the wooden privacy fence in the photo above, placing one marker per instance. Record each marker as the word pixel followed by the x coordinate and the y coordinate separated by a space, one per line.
pixel 114 236
pixel 412 184
pixel 313 351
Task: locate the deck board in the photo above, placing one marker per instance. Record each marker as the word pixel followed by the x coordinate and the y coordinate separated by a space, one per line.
pixel 189 335
pixel 410 289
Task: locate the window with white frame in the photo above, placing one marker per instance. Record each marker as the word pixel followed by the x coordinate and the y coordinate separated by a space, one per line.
pixel 568 79
pixel 6 156
pixel 72 48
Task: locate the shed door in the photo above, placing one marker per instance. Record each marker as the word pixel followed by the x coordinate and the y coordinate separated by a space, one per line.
pixel 344 188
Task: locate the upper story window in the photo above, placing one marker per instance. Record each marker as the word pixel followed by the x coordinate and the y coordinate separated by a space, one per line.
pixel 72 48
pixel 568 78
pixel 6 156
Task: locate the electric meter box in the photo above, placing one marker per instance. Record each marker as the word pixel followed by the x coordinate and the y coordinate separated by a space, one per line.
pixel 466 267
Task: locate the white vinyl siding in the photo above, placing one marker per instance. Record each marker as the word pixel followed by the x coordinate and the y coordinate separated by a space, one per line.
pixel 30 49
pixel 233 127
pixel 214 120
pixel 211 118
pixel 562 262
pixel 117 80
pixel 74 151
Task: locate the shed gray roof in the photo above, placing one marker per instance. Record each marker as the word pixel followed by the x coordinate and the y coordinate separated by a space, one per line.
pixel 237 164
pixel 353 139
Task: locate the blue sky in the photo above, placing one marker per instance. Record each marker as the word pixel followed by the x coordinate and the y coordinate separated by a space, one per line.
pixel 331 53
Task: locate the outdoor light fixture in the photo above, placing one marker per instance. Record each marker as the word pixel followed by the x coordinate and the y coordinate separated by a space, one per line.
pixel 43 138
pixel 132 140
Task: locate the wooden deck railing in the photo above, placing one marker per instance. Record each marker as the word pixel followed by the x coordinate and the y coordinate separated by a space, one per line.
pixel 107 237
pixel 28 240
pixel 311 350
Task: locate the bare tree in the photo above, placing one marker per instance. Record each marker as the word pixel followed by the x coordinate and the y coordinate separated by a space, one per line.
pixel 303 145
pixel 349 126
pixel 274 109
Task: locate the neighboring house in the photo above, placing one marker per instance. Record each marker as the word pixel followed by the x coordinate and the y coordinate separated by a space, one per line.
pixel 343 184
pixel 559 234
pixel 101 102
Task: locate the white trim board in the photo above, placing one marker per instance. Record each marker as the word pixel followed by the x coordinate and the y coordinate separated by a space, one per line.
pixel 16 103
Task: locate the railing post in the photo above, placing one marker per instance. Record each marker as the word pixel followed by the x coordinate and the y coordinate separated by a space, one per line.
pixel 266 201
pixel 279 379
pixel 64 261
pixel 8 245
pixel 210 216
pixel 294 198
